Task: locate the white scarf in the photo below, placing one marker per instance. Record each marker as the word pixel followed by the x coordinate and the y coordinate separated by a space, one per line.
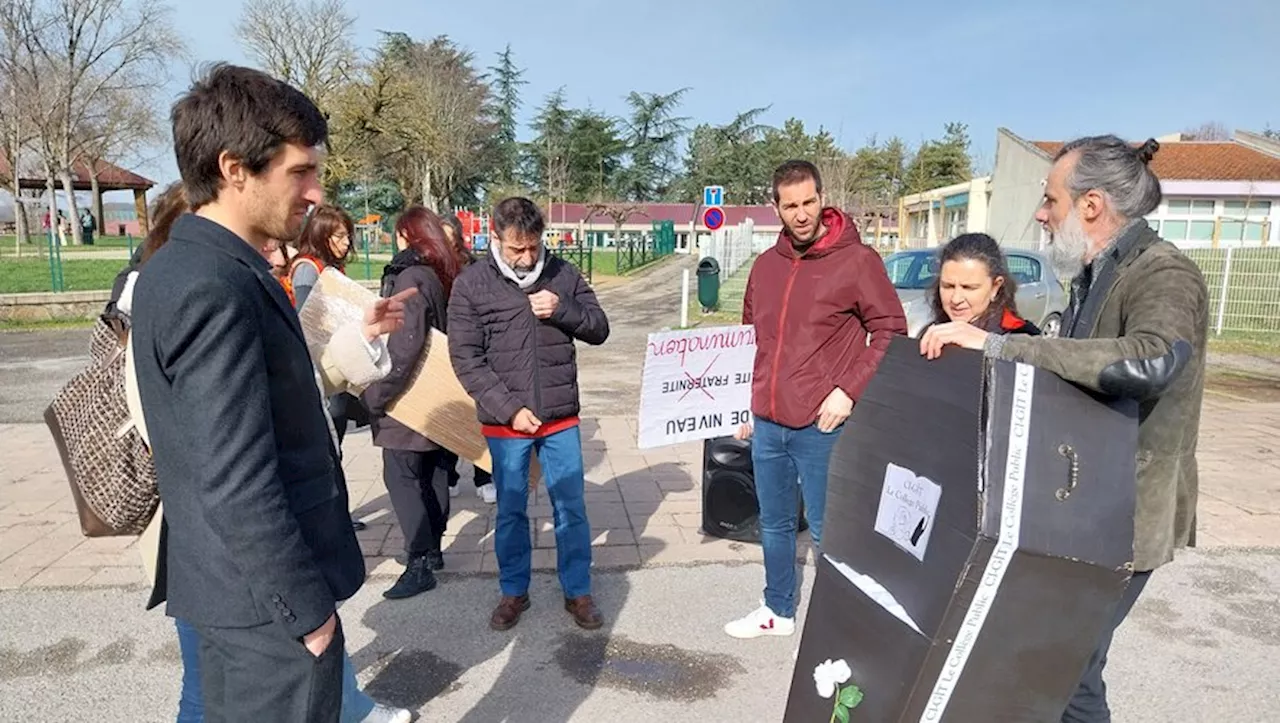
pixel 530 278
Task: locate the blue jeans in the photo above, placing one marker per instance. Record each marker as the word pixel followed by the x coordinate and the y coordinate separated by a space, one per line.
pixel 560 455
pixel 783 457
pixel 191 702
pixel 355 704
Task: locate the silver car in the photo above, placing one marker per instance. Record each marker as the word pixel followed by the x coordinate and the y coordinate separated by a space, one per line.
pixel 1041 297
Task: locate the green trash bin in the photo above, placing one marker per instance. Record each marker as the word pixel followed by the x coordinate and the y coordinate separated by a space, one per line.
pixel 709 284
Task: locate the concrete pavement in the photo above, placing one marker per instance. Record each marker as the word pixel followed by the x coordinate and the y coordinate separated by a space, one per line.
pixel 1200 645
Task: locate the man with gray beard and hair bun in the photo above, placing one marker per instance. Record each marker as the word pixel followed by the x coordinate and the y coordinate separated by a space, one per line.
pixel 1135 328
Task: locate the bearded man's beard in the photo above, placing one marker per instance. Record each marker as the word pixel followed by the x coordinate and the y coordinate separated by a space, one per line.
pixel 1068 246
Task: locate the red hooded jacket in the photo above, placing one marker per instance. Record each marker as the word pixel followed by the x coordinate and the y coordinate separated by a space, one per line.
pixel 812 314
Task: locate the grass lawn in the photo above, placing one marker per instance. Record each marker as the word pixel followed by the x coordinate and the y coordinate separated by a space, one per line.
pixel 40 245
pixel 1254 344
pixel 27 275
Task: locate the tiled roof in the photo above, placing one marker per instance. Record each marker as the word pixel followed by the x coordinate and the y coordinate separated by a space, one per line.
pixel 110 177
pixel 1203 161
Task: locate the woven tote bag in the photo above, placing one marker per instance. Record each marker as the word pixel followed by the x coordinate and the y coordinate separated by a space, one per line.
pixel 112 476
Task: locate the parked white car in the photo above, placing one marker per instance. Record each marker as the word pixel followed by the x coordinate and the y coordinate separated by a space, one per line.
pixel 1041 297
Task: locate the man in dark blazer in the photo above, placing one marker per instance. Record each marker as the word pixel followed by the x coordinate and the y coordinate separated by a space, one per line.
pixel 258 543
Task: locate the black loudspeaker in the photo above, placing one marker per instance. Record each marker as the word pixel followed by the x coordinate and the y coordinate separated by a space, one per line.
pixel 729 506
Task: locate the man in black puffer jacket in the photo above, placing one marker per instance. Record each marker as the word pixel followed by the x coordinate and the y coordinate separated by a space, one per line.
pixel 513 321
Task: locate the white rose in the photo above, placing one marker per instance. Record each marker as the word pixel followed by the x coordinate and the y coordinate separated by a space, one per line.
pixel 828 675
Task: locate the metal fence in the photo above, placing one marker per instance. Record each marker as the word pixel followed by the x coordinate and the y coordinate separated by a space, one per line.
pixel 1244 288
pixel 733 247
pixel 578 254
pixel 635 251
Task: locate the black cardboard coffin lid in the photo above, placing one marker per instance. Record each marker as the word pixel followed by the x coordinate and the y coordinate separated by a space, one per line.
pixel 952 422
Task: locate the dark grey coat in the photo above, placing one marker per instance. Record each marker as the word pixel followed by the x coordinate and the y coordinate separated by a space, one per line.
pixel 505 357
pixel 255 502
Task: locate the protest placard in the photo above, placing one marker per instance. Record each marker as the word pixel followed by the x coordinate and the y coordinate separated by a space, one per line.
pixel 696 384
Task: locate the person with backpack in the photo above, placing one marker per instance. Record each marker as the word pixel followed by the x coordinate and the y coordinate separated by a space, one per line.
pixel 411 462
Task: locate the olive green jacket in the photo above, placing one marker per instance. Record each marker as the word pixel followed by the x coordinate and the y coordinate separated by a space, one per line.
pixel 1147 297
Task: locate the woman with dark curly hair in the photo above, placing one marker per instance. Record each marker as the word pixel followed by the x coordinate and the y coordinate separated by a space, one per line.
pixel 974 286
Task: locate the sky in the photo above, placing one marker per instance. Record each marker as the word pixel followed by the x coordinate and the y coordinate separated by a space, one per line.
pixel 1045 70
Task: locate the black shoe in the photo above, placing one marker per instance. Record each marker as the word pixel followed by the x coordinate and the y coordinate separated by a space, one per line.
pixel 417 578
pixel 357 525
pixel 435 560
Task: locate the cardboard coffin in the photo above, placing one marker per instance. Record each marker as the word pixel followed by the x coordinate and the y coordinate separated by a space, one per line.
pixel 978 530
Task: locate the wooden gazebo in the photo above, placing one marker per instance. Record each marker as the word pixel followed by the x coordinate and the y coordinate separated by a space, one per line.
pixel 110 178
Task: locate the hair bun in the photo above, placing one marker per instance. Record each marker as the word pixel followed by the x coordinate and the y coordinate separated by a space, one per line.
pixel 1148 150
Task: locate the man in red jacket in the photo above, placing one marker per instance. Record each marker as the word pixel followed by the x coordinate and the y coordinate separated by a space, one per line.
pixel 814 298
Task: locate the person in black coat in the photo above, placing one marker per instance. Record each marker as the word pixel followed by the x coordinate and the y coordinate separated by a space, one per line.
pixel 257 540
pixel 514 319
pixel 411 463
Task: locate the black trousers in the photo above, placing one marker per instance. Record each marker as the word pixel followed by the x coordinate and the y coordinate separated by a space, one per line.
pixel 419 491
pixel 1089 703
pixel 263 673
pixel 449 463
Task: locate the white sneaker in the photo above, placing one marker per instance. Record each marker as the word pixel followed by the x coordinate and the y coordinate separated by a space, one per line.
pixel 454 491
pixel 386 714
pixel 488 493
pixel 761 621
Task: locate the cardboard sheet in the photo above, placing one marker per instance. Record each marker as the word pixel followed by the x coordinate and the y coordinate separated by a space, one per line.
pixel 435 404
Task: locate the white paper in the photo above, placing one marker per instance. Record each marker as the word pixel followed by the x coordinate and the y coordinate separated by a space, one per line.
pixel 908 506
pixel 874 590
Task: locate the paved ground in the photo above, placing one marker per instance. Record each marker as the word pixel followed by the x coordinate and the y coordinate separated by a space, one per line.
pixel 73 636
pixel 1201 646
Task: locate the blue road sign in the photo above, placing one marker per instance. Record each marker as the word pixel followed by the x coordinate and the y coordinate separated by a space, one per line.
pixel 713 196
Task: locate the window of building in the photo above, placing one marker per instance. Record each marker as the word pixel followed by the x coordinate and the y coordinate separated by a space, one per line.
pixel 957 219
pixel 1246 209
pixel 1190 207
pixel 1174 231
pixel 1201 231
pixel 1241 231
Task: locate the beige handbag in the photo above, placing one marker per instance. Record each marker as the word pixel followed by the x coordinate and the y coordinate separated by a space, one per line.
pixel 112 475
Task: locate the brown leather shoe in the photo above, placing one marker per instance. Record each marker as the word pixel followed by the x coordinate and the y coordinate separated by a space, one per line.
pixel 507 614
pixel 584 612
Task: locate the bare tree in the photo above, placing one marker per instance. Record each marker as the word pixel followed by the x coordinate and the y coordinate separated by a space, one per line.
pixel 1209 131
pixel 306 44
pixel 87 53
pixel 125 126
pixel 17 19
pixel 619 212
